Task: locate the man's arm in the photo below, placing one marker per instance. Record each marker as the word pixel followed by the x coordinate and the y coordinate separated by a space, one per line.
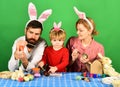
pixel 13 64
pixel 36 56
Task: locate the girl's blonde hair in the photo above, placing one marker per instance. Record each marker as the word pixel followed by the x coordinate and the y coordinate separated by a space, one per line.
pixel 57 34
pixel 85 23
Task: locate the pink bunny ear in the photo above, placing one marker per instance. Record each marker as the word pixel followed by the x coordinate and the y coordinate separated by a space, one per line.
pixel 82 15
pixel 79 13
pixel 44 15
pixel 57 26
pixel 32 11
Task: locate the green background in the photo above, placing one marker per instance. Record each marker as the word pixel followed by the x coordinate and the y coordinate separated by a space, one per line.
pixel 106 14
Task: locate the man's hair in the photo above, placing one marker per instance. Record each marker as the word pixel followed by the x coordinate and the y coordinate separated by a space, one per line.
pixel 34 24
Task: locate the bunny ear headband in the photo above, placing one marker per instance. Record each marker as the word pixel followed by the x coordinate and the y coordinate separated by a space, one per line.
pixel 57 26
pixel 33 13
pixel 82 15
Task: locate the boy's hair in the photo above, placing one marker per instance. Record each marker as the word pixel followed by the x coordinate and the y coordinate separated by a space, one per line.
pixel 57 34
pixel 34 24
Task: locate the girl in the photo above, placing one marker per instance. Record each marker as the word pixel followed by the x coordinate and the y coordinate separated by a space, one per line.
pixel 83 48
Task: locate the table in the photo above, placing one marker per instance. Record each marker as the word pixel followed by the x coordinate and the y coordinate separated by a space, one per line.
pixel 66 80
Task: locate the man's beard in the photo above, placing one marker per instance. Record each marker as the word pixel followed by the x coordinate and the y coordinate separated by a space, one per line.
pixel 31 43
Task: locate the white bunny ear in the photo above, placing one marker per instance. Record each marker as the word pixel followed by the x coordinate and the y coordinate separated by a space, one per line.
pixel 55 25
pixel 32 11
pixel 79 13
pixel 82 15
pixel 59 24
pixel 45 15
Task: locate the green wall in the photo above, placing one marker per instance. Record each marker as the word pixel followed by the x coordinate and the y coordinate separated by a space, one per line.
pixel 106 14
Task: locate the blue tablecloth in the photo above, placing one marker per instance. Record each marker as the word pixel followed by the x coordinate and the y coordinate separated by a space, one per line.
pixel 66 80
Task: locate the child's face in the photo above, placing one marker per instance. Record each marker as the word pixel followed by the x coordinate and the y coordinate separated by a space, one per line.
pixel 57 43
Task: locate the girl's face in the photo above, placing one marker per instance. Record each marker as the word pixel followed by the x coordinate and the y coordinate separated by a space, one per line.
pixel 83 32
pixel 57 44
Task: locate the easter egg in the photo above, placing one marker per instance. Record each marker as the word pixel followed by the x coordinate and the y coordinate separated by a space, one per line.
pixel 36 70
pixel 31 77
pixel 26 78
pixel 20 79
pixel 21 48
pixel 78 77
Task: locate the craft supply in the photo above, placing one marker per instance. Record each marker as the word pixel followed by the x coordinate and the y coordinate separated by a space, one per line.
pixel 5 74
pixel 85 74
pixel 35 70
pixel 21 48
pixel 88 74
pixel 103 75
pixel 56 74
pixel 46 73
pixel 86 79
pixel 29 45
pixel 109 80
pixel 84 55
pixel 37 75
pixel 31 77
pixel 116 83
pixel 26 78
pixel 20 79
pixel 107 66
pixel 91 75
pixel 78 77
pixel 99 75
pixel 94 75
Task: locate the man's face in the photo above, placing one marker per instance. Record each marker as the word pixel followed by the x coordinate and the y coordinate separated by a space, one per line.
pixel 32 35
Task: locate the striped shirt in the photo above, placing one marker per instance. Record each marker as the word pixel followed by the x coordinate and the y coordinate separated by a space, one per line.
pixel 92 51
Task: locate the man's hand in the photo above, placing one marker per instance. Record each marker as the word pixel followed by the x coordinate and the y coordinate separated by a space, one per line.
pixel 24 59
pixel 20 45
pixel 19 53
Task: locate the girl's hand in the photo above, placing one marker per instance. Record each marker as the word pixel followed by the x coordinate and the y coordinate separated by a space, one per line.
pixel 52 69
pixel 84 60
pixel 75 54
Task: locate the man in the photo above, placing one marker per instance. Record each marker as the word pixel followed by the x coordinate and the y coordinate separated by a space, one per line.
pixel 28 49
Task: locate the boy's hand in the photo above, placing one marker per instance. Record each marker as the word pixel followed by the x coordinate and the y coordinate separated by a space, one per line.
pixel 40 64
pixel 52 69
